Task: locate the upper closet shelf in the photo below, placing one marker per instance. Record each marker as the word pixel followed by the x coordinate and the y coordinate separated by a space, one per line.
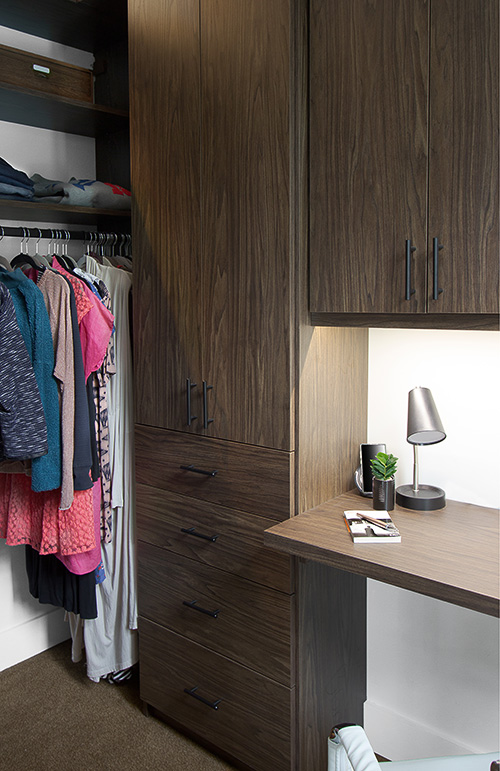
pixel 32 108
pixel 85 215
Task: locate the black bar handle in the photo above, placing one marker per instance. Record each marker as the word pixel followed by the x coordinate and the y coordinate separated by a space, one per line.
pixel 409 249
pixel 192 531
pixel 206 419
pixel 189 386
pixel 436 248
pixel 212 704
pixel 199 470
pixel 193 604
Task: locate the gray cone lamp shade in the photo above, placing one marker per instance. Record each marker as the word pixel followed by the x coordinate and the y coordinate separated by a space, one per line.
pixel 424 427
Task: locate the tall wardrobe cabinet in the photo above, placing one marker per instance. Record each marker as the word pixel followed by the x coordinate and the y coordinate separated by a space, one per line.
pixel 245 414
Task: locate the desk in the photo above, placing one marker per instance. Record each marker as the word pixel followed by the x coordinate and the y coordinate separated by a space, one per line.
pixel 451 554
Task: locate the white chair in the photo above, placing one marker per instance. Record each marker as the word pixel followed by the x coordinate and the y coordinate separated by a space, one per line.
pixel 350 750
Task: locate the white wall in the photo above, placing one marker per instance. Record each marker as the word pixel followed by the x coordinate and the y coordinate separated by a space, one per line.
pixel 26 626
pixel 433 668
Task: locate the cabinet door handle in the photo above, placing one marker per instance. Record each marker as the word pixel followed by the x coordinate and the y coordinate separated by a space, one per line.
pixel 436 248
pixel 189 386
pixel 409 249
pixel 212 704
pixel 206 419
pixel 193 604
pixel 192 531
pixel 199 470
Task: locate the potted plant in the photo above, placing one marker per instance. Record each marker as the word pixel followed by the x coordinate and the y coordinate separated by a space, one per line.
pixel 383 470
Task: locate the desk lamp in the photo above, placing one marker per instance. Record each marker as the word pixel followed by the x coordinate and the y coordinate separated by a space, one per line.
pixel 424 427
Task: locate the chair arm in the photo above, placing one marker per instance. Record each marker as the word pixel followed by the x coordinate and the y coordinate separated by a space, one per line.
pixel 350 750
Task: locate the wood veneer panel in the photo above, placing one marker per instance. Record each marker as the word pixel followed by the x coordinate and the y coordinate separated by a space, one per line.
pixel 253 479
pixel 252 623
pixel 484 321
pixel 451 554
pixel 165 165
pixel 368 146
pixel 238 546
pixel 246 219
pixel 331 656
pixel 464 152
pixel 252 722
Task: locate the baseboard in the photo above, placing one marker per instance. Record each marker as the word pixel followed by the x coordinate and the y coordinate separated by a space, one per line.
pixel 398 738
pixel 25 640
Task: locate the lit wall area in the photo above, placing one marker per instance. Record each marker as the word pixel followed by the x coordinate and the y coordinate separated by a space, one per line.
pixel 433 668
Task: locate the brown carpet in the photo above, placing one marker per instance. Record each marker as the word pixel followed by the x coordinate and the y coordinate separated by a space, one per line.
pixel 52 717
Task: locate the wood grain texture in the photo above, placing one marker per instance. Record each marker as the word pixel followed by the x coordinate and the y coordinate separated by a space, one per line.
pixel 482 321
pixel 464 152
pixel 253 718
pixel 238 547
pixel 451 554
pixel 331 656
pixel 68 80
pixel 245 50
pixel 164 43
pixel 253 622
pixel 253 479
pixel 368 144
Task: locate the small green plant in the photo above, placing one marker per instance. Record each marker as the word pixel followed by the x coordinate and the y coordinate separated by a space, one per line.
pixel 383 466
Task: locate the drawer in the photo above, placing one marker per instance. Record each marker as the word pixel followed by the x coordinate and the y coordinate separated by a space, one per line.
pixel 26 70
pixel 240 476
pixel 215 535
pixel 247 715
pixel 244 621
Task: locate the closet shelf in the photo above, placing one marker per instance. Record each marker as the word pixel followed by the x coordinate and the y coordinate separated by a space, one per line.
pixel 33 108
pixel 84 215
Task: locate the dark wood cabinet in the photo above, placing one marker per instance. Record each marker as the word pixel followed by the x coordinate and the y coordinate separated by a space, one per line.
pixel 404 162
pixel 245 413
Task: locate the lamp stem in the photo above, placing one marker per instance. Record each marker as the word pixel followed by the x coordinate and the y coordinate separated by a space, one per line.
pixel 415 469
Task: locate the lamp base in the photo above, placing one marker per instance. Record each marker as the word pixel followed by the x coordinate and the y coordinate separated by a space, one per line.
pixel 427 498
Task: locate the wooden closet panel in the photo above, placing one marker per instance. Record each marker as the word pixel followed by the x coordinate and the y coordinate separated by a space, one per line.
pixel 224 538
pixel 253 718
pixel 165 139
pixel 249 624
pixel 253 479
pixel 464 151
pixel 368 146
pixel 245 216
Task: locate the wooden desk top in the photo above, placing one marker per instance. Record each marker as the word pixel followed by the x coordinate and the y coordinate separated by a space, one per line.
pixel 452 554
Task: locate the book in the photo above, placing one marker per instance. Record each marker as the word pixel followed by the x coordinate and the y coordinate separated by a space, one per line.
pixel 362 530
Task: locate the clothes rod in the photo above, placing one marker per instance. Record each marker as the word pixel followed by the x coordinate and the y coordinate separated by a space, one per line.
pixel 62 235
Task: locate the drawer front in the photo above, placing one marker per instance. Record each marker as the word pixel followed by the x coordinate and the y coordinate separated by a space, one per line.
pixel 237 618
pixel 240 476
pixel 250 717
pixel 215 535
pixel 26 70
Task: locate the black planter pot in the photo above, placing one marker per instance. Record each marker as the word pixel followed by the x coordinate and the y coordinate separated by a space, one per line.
pixel 383 494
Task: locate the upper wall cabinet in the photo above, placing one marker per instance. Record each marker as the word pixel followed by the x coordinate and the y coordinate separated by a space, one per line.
pixel 404 162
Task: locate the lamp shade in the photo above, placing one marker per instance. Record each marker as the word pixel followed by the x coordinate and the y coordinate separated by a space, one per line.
pixel 424 423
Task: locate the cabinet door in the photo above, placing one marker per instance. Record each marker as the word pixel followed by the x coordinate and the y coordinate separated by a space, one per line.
pixel 463 189
pixel 165 133
pixel 245 49
pixel 368 154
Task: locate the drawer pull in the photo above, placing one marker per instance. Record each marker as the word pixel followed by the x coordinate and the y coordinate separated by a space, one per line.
pixel 192 692
pixel 41 70
pixel 199 470
pixel 192 531
pixel 194 606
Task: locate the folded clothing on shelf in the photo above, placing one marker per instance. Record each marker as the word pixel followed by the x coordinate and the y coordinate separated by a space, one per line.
pixel 14 184
pixel 80 192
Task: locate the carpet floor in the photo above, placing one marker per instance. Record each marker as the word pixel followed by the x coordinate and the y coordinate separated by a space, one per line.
pixel 53 718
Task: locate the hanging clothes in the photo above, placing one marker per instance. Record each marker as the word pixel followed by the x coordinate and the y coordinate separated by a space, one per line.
pixel 23 430
pixel 110 640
